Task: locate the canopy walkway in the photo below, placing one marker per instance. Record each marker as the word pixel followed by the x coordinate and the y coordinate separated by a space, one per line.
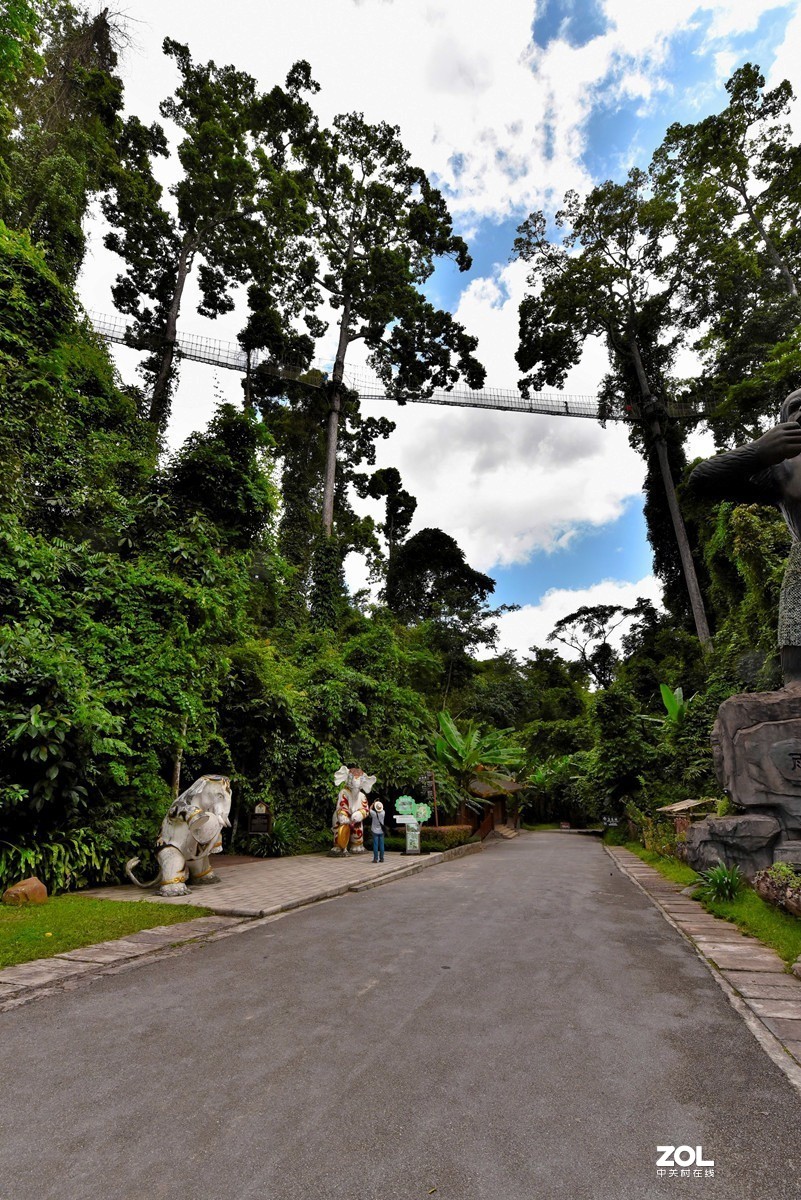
pixel 231 357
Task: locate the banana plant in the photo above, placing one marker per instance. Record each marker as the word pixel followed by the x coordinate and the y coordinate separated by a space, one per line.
pixel 675 704
pixel 675 707
pixel 481 762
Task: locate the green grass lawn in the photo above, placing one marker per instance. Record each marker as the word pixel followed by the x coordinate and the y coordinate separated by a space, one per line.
pixel 749 912
pixel 69 922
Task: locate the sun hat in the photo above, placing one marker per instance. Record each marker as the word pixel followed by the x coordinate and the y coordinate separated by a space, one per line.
pixel 378 806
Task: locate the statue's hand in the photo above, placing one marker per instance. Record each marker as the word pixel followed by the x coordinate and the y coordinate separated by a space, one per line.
pixel 779 443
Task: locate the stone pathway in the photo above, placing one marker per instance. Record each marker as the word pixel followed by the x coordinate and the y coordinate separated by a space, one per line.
pixel 248 890
pixel 756 974
pixel 262 887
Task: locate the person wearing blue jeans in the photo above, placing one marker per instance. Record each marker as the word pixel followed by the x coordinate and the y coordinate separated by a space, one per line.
pixel 377 819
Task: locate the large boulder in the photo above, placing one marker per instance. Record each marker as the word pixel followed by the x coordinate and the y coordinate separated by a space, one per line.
pixel 745 841
pixel 756 742
pixel 27 891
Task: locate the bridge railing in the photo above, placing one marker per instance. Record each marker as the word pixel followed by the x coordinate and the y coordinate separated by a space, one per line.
pixel 361 379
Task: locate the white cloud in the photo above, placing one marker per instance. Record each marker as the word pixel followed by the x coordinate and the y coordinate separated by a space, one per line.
pixel 785 66
pixel 508 484
pixel 531 625
pixel 461 77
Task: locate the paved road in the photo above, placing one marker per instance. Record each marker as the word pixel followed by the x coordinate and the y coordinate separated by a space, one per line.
pixel 518 1025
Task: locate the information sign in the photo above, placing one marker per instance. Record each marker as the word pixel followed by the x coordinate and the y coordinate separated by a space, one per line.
pixel 260 820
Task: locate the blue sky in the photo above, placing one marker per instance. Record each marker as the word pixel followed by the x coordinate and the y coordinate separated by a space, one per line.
pixel 618 550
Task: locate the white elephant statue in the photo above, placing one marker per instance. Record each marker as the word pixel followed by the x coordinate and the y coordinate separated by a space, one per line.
pixel 190 832
pixel 351 810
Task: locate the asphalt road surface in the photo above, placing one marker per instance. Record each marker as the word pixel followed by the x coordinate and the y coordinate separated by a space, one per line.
pixel 516 1025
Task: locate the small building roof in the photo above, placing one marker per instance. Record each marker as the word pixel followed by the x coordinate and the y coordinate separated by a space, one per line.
pixel 682 806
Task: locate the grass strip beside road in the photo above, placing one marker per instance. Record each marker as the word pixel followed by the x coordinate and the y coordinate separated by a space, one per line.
pixel 749 912
pixel 69 922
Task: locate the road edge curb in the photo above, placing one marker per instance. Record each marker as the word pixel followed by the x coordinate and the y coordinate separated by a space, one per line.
pixel 767 1040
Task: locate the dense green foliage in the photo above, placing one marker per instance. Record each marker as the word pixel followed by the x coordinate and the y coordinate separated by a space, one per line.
pixel 169 614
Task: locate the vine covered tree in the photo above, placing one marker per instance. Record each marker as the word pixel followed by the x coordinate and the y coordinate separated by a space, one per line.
pixel 603 279
pixel 731 182
pixel 62 123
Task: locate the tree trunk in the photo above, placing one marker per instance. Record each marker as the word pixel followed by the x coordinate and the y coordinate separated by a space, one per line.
pixel 773 253
pixel 333 422
pixel 248 402
pixel 159 401
pixel 690 577
pixel 178 759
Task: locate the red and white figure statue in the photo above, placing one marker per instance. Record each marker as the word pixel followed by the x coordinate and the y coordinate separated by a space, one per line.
pixel 351 810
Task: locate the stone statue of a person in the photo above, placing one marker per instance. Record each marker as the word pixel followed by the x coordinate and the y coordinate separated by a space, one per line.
pixel 768 471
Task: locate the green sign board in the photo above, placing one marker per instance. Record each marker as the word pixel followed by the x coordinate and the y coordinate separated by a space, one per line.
pixel 407 806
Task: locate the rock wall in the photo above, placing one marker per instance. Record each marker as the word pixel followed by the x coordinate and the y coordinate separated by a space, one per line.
pixel 756 743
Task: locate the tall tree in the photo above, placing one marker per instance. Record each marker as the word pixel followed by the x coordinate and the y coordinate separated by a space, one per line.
pixel 378 227
pixel 602 279
pixel 588 631
pixel 430 575
pixel 19 63
pixel 733 182
pixel 61 152
pixel 430 580
pixel 235 212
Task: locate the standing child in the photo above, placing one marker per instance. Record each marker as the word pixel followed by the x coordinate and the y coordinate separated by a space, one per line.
pixel 377 819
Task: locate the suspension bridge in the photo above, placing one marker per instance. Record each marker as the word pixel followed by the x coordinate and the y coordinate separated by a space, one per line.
pixel 231 357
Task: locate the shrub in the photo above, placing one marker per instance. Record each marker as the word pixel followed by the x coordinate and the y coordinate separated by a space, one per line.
pixel 721 883
pixel 64 861
pixel 285 837
pixel 617 835
pixel 433 839
pixel 445 837
pixel 659 836
pixel 782 872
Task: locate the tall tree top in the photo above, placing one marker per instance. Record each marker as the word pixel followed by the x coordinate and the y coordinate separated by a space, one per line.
pixel 379 227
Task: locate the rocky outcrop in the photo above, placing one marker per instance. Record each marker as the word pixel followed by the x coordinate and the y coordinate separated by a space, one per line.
pixel 745 841
pixel 756 742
